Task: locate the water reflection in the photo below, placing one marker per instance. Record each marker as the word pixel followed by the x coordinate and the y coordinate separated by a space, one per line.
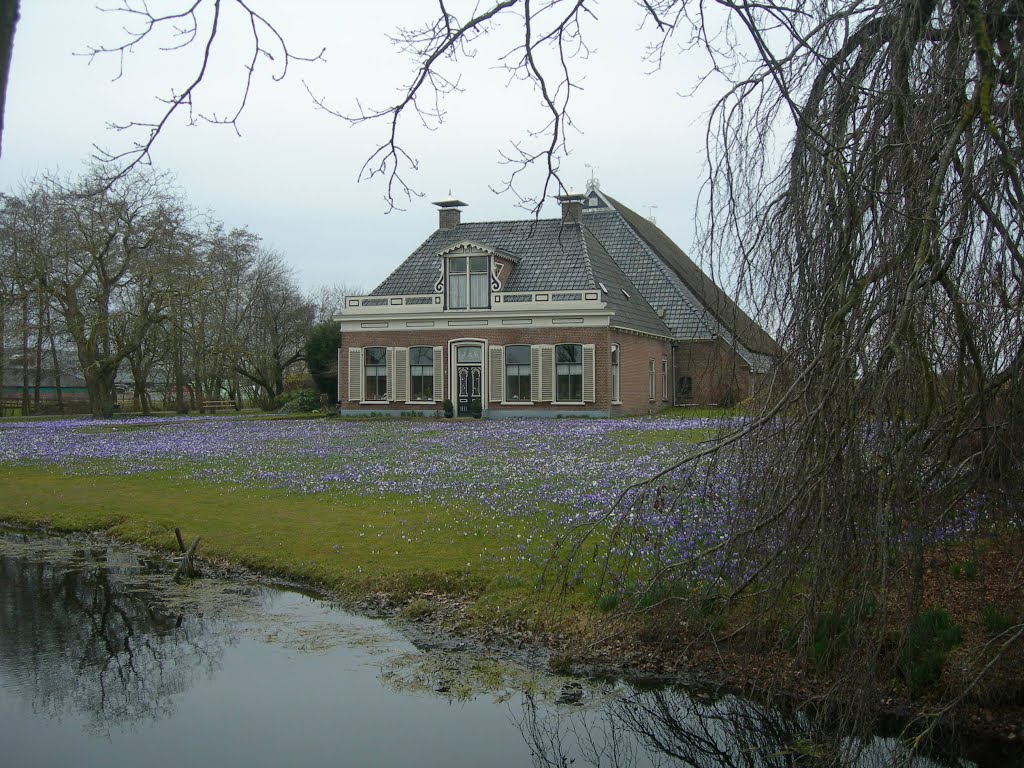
pixel 96 638
pixel 673 727
pixel 80 633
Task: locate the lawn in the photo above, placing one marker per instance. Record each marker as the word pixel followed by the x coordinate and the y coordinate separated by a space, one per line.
pixel 396 504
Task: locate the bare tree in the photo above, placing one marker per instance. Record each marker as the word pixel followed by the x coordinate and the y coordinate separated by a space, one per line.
pixel 192 25
pixel 865 184
pixel 275 326
pixel 95 249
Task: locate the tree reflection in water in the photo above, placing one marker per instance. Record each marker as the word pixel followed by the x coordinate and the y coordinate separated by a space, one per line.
pixel 672 727
pixel 81 635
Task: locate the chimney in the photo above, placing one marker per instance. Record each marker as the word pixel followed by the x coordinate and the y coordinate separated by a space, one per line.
pixel 448 212
pixel 572 207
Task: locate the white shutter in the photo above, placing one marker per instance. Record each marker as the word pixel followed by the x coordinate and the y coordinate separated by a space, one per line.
pixel 338 393
pixel 547 373
pixel 535 373
pixel 390 394
pixel 588 373
pixel 496 373
pixel 355 374
pixel 400 387
pixel 438 374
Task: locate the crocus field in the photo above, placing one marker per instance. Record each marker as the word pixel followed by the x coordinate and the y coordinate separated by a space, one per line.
pixel 522 481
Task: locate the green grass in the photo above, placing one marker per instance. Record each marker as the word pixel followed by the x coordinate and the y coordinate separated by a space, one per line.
pixel 344 542
pixel 649 438
pixel 932 635
pixel 997 620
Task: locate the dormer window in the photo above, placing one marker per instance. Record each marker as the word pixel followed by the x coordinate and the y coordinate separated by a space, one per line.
pixel 469 282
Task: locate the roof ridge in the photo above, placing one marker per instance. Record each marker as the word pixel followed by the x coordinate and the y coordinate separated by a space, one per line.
pixel 678 286
pixel 726 311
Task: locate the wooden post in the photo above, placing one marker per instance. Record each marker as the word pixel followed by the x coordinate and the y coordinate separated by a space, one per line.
pixel 186 569
pixel 181 541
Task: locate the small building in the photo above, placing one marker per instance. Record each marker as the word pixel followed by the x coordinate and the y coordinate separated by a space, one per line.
pixel 594 313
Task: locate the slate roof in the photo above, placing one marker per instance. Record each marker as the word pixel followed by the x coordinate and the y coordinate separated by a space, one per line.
pixel 615 249
pixel 717 309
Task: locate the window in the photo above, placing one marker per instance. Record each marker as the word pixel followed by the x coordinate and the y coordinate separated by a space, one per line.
pixel 375 370
pixel 474 354
pixel 684 388
pixel 469 282
pixel 615 373
pixel 664 379
pixel 650 381
pixel 421 373
pixel 569 373
pixel 517 374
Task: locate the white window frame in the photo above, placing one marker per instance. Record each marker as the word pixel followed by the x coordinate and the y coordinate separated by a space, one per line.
pixel 433 377
pixel 615 357
pixel 664 379
pixel 469 282
pixel 388 373
pixel 581 401
pixel 650 381
pixel 504 375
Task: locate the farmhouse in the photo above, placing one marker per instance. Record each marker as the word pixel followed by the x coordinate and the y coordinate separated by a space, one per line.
pixel 594 313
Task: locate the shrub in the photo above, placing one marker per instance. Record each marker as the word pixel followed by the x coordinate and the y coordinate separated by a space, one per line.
pixel 607 603
pixel 996 620
pixel 449 409
pixel 930 638
pixel 728 399
pixel 830 639
pixel 300 401
pixel 419 609
pixel 967 569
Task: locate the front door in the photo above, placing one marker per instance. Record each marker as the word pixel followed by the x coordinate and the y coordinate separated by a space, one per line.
pixel 468 378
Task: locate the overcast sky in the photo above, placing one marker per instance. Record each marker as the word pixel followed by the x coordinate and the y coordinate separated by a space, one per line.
pixel 292 175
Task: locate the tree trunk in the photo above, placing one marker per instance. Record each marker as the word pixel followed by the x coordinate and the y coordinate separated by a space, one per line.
pixel 101 392
pixel 8 23
pixel 3 348
pixel 56 364
pixel 24 356
pixel 38 382
pixel 179 378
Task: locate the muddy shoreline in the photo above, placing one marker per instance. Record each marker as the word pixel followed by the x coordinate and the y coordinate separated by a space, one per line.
pixel 444 629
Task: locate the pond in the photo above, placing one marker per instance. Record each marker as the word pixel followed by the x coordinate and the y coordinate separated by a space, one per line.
pixel 105 661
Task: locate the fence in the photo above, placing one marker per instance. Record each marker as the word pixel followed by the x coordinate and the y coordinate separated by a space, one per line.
pixel 11 407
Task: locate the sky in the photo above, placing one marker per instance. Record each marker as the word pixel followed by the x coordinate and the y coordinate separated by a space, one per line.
pixel 292 176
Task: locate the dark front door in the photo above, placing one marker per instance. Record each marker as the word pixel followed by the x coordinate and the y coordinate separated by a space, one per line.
pixel 467 385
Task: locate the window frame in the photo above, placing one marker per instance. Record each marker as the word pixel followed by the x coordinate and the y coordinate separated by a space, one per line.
pixel 615 362
pixel 558 376
pixel 664 379
pixel 528 365
pixel 380 372
pixel 466 278
pixel 427 376
pixel 650 381
pixel 684 393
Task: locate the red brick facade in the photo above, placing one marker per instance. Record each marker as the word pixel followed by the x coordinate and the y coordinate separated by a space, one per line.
pixel 635 352
pixel 716 373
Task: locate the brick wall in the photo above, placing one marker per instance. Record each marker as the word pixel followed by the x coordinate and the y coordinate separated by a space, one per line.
pixel 635 354
pixel 714 368
pixel 503 337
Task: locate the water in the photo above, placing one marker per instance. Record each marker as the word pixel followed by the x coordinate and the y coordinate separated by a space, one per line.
pixel 105 661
